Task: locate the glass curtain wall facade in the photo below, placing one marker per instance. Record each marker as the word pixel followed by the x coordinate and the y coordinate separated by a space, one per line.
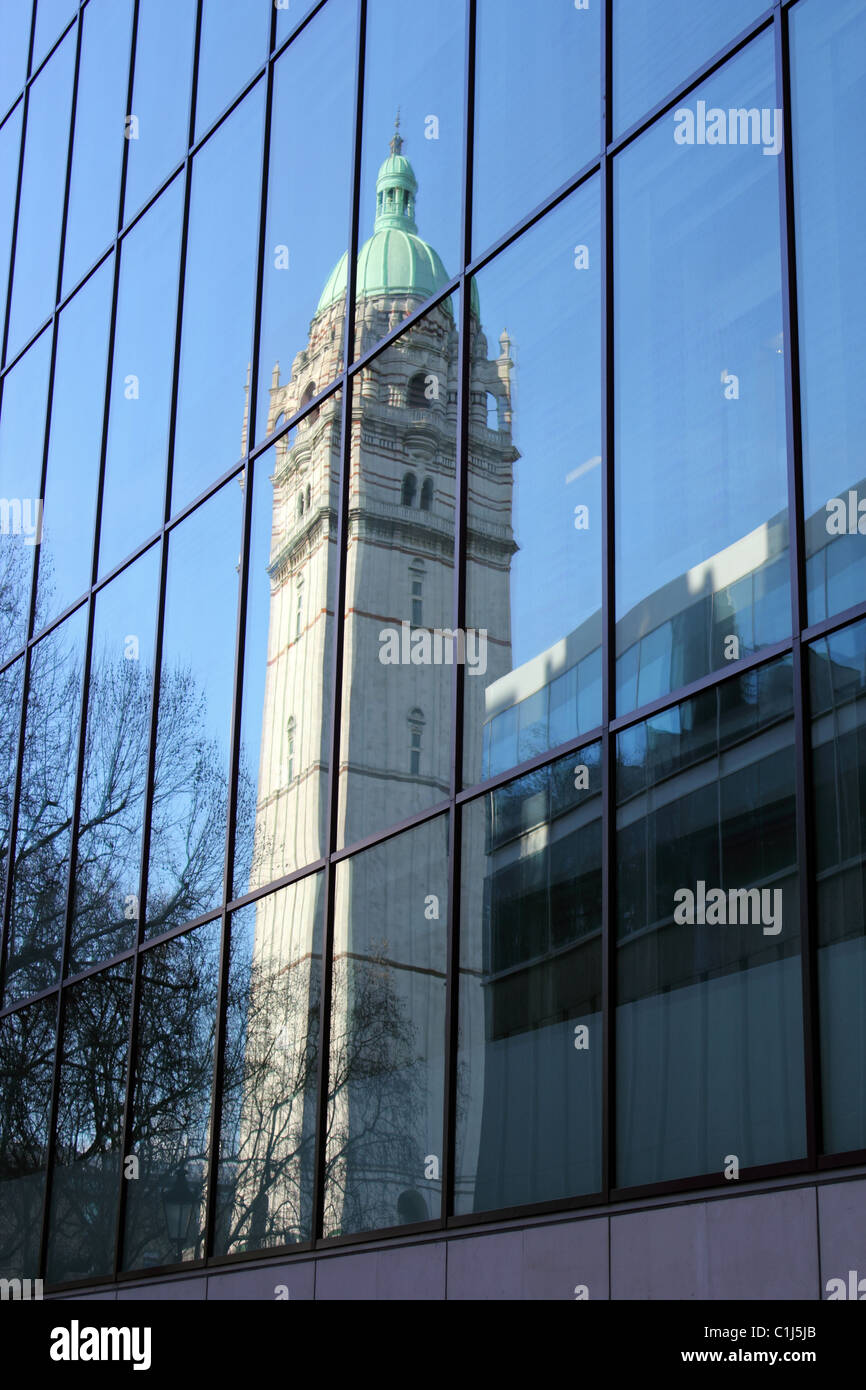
pixel 432 615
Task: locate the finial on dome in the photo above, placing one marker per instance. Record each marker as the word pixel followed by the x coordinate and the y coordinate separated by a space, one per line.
pixel 396 138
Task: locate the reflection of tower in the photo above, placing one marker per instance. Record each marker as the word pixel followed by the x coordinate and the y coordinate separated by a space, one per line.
pixel 395 719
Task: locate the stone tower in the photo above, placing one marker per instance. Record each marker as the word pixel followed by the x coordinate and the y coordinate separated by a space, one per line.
pixel 395 718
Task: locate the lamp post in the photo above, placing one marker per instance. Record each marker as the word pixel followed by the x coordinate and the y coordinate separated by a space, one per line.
pixel 178 1200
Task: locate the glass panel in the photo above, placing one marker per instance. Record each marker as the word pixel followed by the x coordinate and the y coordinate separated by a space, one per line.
pixel 217 328
pixel 190 801
pixel 828 61
pixel 709 1041
pixel 656 47
pixel 534 514
pixel 89 1145
pixel 701 476
pixel 160 96
pixel 10 149
pixel 387 1066
pixel 11 681
pixel 97 148
pixel 288 666
pixel 27 1041
pixel 37 245
pixel 22 433
pixel 400 643
pixel 537 106
pixel 414 75
pixel 305 233
pixel 529 1106
pixel 133 497
pixel 268 1136
pixel 234 43
pixel 15 18
pixel 108 860
pixel 52 16
pixel 40 864
pixel 837 669
pixel 165 1205
pixel 289 15
pixel 74 446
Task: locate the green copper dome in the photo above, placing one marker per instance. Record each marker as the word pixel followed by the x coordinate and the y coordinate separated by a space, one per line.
pixel 394 260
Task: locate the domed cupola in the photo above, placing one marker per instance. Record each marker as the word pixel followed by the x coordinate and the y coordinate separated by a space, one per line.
pixel 394 260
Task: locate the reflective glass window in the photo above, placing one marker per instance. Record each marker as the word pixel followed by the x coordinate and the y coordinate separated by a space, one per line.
pixel 533 565
pixel 288 660
pixel 233 44
pixel 165 1205
pixel 108 857
pixel 828 62
pixel 27 1042
pixel 268 1135
pixel 386 1068
pixel 159 118
pixel 308 217
pixel 37 244
pixel 196 678
pixel 97 147
pixel 412 162
pixel 10 149
pixel 289 15
pixel 709 1028
pixel 11 684
pixel 74 445
pixel 89 1135
pixel 837 669
pixel 133 495
pixel 400 640
pixel 537 106
pixel 529 1072
pixel 15 16
pixel 218 299
pixel 52 16
pixel 702 568
pixel 40 863
pixel 22 435
pixel 657 46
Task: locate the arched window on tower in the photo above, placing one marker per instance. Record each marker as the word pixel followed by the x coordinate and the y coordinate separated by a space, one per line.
pixel 290 751
pixel 492 411
pixel 308 496
pixel 408 490
pixel 418 392
pixel 416 728
pixel 299 609
pixel 427 495
pixel 416 590
pixel 309 393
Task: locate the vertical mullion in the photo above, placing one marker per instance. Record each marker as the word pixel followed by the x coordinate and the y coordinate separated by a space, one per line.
pixel 799 598
pixel 338 641
pixel 608 654
pixel 461 473
pixel 124 163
